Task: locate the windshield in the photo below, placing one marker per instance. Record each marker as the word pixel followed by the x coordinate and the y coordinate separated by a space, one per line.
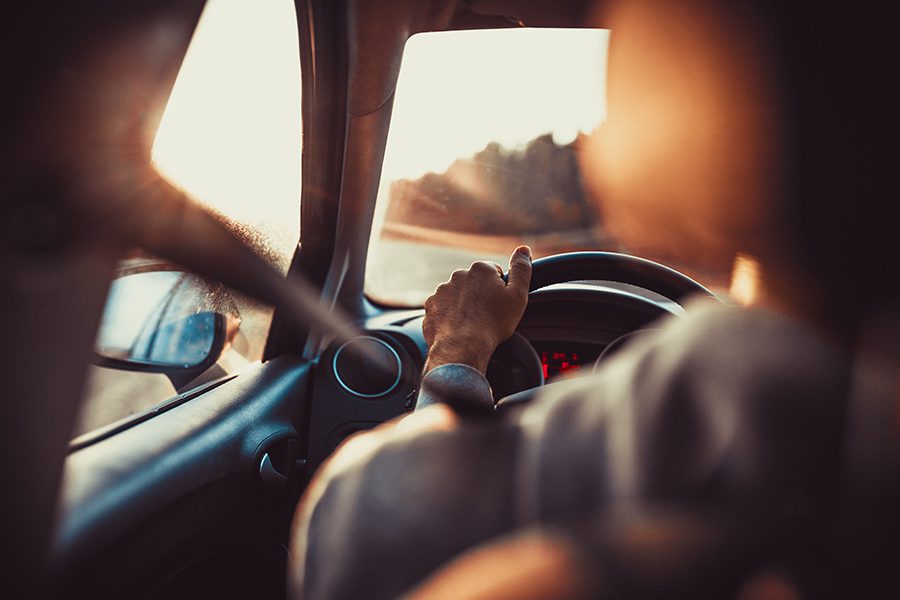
pixel 483 155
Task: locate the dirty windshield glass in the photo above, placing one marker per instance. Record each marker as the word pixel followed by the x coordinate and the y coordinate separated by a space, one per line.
pixel 482 154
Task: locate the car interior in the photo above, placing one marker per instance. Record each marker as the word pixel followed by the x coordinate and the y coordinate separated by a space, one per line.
pixel 192 494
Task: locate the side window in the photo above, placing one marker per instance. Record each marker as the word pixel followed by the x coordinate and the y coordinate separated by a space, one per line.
pixel 230 137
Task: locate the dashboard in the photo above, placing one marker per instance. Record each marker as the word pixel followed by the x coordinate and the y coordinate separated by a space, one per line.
pixel 565 331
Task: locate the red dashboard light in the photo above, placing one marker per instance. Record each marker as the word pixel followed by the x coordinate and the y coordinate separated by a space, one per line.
pixel 554 362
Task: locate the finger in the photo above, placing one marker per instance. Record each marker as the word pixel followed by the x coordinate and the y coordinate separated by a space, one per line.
pixel 520 269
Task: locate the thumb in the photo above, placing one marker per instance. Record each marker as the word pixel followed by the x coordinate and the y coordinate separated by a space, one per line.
pixel 520 269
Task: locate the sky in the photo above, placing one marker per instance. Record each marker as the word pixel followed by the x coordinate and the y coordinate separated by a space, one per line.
pixel 460 90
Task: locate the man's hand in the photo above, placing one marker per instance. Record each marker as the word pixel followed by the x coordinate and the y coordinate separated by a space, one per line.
pixel 470 315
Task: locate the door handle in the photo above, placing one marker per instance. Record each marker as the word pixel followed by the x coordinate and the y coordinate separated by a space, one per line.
pixel 280 467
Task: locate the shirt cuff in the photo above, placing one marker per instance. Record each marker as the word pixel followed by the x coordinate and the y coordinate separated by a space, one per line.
pixel 461 387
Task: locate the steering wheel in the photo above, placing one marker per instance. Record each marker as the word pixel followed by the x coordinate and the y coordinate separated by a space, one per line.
pixel 593 266
pixel 613 266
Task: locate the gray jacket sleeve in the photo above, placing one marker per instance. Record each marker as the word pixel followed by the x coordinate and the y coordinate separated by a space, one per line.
pixel 461 387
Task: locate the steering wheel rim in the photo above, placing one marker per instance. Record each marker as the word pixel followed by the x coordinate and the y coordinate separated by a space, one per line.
pixel 617 267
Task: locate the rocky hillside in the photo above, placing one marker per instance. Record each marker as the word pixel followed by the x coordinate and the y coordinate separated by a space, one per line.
pixel 498 191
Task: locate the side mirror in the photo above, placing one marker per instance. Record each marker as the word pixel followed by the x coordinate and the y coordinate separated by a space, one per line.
pixel 168 322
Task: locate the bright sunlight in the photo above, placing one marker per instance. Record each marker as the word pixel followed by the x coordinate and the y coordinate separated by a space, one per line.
pixel 459 91
pixel 231 133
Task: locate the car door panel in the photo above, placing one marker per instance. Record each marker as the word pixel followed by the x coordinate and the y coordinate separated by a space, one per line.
pixel 148 502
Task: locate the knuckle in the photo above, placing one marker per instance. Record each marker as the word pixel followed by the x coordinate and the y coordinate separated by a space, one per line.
pixel 484 267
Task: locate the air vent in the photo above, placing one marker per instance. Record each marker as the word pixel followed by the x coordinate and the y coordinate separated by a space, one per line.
pixel 367 367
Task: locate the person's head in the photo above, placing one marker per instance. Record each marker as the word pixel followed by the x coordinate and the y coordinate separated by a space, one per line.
pixel 755 127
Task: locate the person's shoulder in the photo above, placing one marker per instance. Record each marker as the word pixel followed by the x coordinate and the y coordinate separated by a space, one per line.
pixel 754 352
pixel 718 385
pixel 715 350
pixel 706 322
